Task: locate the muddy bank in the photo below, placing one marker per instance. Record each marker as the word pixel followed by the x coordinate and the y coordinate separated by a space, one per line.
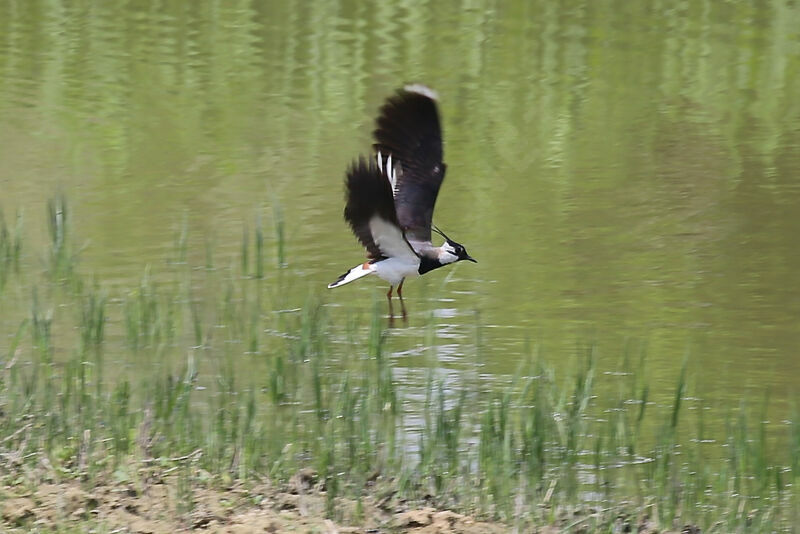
pixel 162 508
pixel 168 505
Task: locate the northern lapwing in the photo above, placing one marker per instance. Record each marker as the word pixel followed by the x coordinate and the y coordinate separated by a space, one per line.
pixel 391 195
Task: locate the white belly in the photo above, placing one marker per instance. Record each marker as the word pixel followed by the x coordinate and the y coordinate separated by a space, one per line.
pixel 393 270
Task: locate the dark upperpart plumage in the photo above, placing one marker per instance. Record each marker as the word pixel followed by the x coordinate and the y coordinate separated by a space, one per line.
pixel 408 129
pixel 368 193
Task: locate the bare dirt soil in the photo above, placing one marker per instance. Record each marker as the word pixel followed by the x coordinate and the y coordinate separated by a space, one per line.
pixel 163 506
pixel 155 509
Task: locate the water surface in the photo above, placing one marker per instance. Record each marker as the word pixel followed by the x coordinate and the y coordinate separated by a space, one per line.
pixel 625 173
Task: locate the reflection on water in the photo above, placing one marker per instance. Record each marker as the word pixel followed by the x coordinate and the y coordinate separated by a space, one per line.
pixel 624 173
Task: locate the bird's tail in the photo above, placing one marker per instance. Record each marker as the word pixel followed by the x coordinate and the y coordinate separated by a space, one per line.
pixel 353 274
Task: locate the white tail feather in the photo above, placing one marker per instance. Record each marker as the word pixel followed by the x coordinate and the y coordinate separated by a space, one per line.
pixel 353 274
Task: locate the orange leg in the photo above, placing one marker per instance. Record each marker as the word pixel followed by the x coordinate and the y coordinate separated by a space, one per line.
pixel 400 294
pixel 389 297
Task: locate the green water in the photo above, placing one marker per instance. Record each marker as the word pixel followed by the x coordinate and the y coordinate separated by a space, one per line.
pixel 626 173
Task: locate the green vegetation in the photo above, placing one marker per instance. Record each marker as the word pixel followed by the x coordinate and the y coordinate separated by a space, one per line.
pixel 10 246
pixel 537 450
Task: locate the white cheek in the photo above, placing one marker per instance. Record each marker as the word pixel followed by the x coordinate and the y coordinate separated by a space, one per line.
pixel 446 257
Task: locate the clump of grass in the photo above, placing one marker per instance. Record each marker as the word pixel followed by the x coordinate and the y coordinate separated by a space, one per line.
pixel 150 315
pixel 41 323
pixel 62 258
pixel 181 245
pixel 10 248
pixel 259 245
pixel 11 356
pixel 280 234
pixel 197 320
pixel 93 315
pixel 245 251
pixel 259 249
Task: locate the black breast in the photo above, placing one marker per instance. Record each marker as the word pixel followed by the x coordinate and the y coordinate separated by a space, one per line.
pixel 428 264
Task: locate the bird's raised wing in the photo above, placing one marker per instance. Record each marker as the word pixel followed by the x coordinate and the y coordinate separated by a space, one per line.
pixel 408 130
pixel 370 211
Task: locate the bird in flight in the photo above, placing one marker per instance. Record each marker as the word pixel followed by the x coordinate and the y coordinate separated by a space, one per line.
pixel 391 195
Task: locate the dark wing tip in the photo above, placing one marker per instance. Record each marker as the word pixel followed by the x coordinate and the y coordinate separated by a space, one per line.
pixel 409 121
pixel 368 193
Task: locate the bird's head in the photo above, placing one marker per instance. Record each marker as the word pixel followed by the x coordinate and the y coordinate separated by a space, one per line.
pixel 451 251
